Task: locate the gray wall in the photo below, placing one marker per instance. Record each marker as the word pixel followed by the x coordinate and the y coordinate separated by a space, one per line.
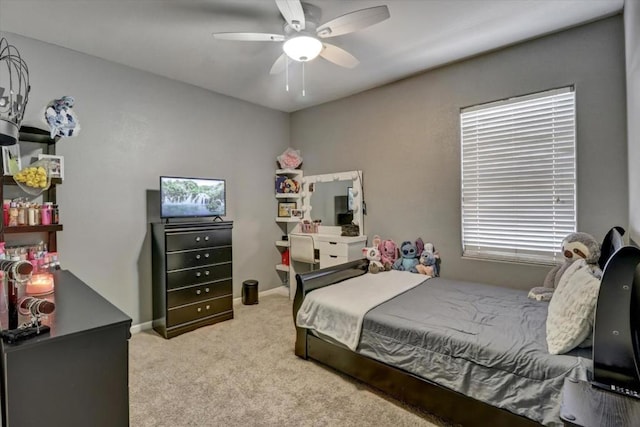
pixel 405 138
pixel 135 127
pixel 632 38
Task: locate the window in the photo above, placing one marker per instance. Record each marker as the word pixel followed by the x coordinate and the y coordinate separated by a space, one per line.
pixel 519 176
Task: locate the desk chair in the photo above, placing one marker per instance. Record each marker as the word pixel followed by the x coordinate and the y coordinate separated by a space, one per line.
pixel 302 249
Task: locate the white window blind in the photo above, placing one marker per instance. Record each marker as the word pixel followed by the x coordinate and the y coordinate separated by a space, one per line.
pixel 519 176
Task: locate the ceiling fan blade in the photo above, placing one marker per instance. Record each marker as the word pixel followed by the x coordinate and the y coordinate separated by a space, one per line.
pixel 279 65
pixel 292 12
pixel 249 37
pixel 353 21
pixel 338 56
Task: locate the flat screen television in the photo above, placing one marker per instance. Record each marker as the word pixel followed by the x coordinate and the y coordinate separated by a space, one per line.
pixel 192 197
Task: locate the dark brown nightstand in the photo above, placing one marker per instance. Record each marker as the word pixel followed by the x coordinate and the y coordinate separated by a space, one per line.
pixel 586 406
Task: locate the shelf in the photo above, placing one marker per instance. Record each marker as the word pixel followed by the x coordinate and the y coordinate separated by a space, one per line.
pixel 287 219
pixel 9 180
pixel 289 172
pixel 288 195
pixel 282 243
pixel 31 134
pixel 32 228
pixel 282 267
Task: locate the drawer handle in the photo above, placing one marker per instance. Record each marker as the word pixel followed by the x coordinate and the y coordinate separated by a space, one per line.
pixel 198 256
pixel 208 307
pixel 198 274
pixel 198 239
pixel 206 255
pixel 206 290
pixel 198 292
pixel 206 273
pixel 206 238
pixel 199 309
pixel 333 243
pixel 333 256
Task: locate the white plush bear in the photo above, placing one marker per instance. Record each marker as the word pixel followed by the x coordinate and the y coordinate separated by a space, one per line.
pixel 373 255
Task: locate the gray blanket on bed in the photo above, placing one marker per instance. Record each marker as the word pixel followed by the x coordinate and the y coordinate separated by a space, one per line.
pixel 486 342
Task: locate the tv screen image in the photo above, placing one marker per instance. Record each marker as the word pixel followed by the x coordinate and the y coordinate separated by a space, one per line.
pixel 192 197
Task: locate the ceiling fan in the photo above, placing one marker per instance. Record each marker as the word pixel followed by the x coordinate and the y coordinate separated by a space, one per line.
pixel 302 33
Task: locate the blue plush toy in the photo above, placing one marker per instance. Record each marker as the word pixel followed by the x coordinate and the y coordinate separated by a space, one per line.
pixel 408 258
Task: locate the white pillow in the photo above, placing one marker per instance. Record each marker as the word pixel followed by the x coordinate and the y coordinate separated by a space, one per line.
pixel 572 308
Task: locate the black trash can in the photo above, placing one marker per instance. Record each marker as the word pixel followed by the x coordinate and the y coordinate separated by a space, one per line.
pixel 250 292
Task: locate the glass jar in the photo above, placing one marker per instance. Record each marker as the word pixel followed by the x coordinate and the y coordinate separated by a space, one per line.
pixel 55 215
pixel 45 214
pixel 13 214
pixel 22 214
pixel 31 215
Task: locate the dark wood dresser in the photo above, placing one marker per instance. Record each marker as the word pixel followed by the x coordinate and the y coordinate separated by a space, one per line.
pixel 78 373
pixel 192 276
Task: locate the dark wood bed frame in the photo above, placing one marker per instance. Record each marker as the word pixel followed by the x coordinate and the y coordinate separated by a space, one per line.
pixel 404 386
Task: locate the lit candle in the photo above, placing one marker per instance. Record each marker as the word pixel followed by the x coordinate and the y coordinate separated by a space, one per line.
pixel 40 284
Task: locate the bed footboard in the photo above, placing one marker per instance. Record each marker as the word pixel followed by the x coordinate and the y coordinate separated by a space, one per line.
pixel 313 280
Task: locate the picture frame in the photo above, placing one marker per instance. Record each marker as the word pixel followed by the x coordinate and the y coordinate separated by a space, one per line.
pixel 57 165
pixel 285 209
pixel 296 213
pixel 11 163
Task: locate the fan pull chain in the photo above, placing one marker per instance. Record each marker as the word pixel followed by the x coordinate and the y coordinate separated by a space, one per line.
pixel 304 93
pixel 286 73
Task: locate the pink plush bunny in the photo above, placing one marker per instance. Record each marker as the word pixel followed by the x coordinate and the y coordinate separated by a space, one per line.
pixel 389 251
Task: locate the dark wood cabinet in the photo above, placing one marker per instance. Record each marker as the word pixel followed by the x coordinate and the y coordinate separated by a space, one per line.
pixel 192 275
pixel 78 373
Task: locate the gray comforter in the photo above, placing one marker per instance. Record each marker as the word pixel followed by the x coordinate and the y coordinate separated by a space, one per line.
pixel 484 341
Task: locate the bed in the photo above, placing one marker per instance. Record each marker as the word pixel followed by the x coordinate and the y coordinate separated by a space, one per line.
pixel 467 352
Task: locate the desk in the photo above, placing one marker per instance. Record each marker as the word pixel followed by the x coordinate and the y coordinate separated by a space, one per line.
pixel 586 406
pixel 332 249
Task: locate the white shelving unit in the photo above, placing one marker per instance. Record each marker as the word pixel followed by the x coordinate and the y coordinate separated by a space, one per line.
pixel 287 225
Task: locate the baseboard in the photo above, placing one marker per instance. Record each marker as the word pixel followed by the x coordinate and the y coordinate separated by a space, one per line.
pixel 141 327
pixel 282 290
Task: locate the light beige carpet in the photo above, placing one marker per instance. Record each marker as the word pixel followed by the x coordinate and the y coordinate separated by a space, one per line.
pixel 243 372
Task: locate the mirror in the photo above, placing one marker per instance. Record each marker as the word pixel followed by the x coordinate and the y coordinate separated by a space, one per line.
pixel 334 198
pixel 329 202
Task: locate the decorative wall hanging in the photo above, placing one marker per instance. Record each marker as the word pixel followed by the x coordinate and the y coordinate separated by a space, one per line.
pixel 290 159
pixel 14 92
pixel 61 119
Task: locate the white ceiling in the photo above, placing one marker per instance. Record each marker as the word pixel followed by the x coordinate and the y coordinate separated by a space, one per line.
pixel 173 38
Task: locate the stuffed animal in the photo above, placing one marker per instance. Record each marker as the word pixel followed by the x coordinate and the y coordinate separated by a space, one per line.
pixel 289 186
pixel 575 246
pixel 428 261
pixel 373 255
pixel 408 257
pixel 389 252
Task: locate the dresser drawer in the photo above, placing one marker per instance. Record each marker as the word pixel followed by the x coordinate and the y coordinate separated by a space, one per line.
pixel 195 311
pixel 331 260
pixel 178 241
pixel 197 258
pixel 197 293
pixel 194 276
pixel 333 248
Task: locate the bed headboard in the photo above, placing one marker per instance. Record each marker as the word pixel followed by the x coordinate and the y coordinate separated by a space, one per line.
pixel 616 335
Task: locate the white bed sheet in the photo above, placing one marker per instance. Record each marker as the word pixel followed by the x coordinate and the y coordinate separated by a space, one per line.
pixel 338 310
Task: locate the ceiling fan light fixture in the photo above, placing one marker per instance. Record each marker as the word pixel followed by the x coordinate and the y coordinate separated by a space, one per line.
pixel 302 48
